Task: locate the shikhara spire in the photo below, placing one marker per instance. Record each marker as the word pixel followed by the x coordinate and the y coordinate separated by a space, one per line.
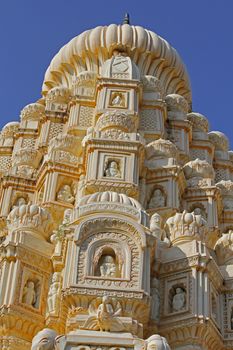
pixel 116 206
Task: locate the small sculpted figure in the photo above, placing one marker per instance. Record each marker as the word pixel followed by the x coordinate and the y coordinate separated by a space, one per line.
pixel 108 267
pixel 112 170
pixel 118 100
pixel 44 340
pixel 65 194
pixel 157 200
pixel 106 317
pixel 29 294
pixel 155 225
pixel 20 201
pixel 53 295
pixel 179 300
pixel 156 342
pixel 157 231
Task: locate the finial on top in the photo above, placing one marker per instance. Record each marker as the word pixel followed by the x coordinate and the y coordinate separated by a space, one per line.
pixel 126 19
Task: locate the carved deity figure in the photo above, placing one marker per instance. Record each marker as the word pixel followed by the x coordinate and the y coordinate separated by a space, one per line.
pixel 112 169
pixel 20 201
pixel 179 300
pixel 156 342
pixel 44 340
pixel 29 294
pixel 158 231
pixel 157 199
pixel 155 304
pixel 65 194
pixel 53 295
pixel 108 266
pixel 106 317
pixel 118 100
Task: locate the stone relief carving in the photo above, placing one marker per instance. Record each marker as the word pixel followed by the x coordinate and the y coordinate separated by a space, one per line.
pixel 19 201
pixel 112 169
pixel 65 194
pixel 157 230
pixel 116 119
pixel 54 293
pixel 118 99
pixel 186 226
pixel 31 293
pixel 157 200
pixel 106 317
pixel 179 300
pixel 30 216
pixel 108 266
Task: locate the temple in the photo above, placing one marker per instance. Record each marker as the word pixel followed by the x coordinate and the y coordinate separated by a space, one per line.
pixel 116 206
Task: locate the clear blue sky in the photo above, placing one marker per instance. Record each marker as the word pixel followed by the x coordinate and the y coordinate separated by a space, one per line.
pixel 32 32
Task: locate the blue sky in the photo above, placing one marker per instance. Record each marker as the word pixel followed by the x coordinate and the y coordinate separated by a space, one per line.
pixel 31 33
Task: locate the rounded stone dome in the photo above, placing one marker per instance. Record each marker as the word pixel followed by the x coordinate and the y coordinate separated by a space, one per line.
pixel 157 342
pixel 109 196
pixel 91 49
pixel 219 140
pixel 199 122
pixel 32 111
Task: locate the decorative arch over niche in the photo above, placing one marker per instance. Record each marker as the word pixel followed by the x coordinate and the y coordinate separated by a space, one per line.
pixel 111 252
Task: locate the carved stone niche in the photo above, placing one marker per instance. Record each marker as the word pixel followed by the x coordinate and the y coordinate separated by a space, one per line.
pixel 157 198
pixel 31 289
pixel 65 191
pixel 111 254
pixel 176 296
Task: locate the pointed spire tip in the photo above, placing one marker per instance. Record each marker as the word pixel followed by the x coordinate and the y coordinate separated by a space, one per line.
pixel 126 19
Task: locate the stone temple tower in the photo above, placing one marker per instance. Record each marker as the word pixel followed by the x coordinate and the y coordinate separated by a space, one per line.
pixel 116 206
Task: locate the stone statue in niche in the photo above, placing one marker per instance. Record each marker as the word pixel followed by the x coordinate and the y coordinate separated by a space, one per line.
pixel 157 199
pixel 112 169
pixel 108 266
pixel 29 294
pixel 155 304
pixel 65 194
pixel 20 201
pixel 53 295
pixel 44 340
pixel 118 100
pixel 106 317
pixel 179 300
